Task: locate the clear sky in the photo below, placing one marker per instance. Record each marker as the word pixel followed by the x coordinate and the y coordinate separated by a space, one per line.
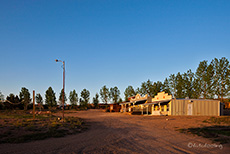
pixel 107 42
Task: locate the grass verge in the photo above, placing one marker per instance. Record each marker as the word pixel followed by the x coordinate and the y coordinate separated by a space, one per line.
pixel 20 127
pixel 219 131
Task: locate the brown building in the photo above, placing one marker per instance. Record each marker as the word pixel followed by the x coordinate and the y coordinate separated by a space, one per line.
pixel 114 107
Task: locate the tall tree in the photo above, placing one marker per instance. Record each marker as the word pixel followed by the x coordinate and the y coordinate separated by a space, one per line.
pixel 73 97
pixel 85 94
pixel 221 77
pixel 1 96
pixel 129 92
pixel 147 88
pixel 157 87
pixel 114 94
pixel 39 100
pixel 96 100
pixel 188 79
pixel 172 84
pixel 138 91
pixel 50 97
pixel 210 81
pixel 14 102
pixel 81 101
pixel 11 98
pixel 104 92
pixel 204 75
pixel 166 86
pixel 60 97
pixel 197 88
pixel 25 97
pixel 180 93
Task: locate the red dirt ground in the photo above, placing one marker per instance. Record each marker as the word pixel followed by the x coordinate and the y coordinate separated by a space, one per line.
pixel 122 133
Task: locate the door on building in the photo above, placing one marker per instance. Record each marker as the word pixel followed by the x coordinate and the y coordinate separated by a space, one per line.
pixel 189 111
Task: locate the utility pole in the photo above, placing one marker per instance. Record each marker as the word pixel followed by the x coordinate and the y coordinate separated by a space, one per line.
pixel 63 94
pixel 33 104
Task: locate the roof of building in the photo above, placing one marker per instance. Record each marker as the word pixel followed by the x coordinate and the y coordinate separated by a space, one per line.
pixel 156 102
pixel 124 103
pixel 197 99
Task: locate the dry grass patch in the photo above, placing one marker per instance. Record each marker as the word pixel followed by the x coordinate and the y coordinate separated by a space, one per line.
pixel 18 127
pixel 219 131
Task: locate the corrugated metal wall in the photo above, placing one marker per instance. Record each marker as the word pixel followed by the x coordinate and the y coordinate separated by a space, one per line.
pixel 178 107
pixel 199 107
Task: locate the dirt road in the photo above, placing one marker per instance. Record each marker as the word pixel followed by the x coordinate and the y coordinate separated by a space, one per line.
pixel 122 133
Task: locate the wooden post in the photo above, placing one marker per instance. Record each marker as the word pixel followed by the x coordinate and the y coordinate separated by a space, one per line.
pixel 147 109
pixel 142 109
pixel 33 105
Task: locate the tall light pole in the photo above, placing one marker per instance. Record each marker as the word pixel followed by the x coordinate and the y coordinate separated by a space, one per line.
pixel 63 93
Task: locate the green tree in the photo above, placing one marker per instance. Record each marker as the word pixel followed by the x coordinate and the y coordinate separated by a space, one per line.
pixel 172 84
pixel 14 102
pixel 221 77
pixel 204 75
pixel 1 100
pixel 147 88
pixel 39 100
pixel 189 81
pixel 197 88
pixel 85 94
pixel 60 97
pixel 114 94
pixel 1 96
pixel 166 86
pixel 180 93
pixel 73 97
pixel 104 92
pixel 11 98
pixel 157 87
pixel 129 92
pixel 50 97
pixel 143 90
pixel 138 91
pixel 96 100
pixel 210 81
pixel 25 97
pixel 81 102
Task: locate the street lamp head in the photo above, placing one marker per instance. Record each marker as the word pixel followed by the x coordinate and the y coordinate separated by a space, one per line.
pixel 56 60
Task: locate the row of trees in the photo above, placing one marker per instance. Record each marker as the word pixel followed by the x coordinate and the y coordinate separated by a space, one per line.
pixel 110 94
pixel 211 80
pixel 24 98
pixel 21 101
pixel 50 97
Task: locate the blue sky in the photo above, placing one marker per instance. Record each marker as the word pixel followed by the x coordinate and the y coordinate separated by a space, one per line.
pixel 107 42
